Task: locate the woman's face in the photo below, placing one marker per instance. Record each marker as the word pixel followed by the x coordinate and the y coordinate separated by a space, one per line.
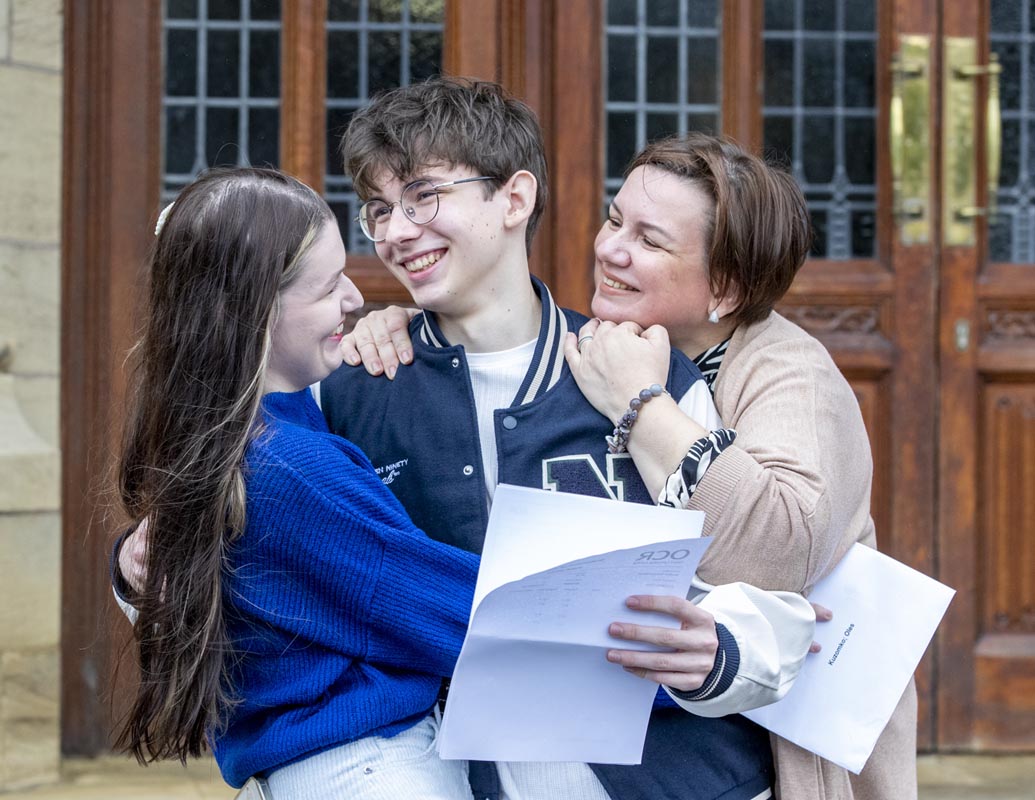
pixel 652 260
pixel 306 336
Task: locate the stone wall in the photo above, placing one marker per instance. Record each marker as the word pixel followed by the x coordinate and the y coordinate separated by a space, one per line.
pixel 30 525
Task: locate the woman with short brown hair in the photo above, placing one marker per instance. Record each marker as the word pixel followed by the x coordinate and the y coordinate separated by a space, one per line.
pixel 700 243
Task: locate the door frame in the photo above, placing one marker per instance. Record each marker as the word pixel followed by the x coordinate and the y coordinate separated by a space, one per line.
pixel 110 145
pixel 888 323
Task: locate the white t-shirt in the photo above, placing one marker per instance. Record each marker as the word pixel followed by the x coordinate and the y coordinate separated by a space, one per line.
pixel 495 380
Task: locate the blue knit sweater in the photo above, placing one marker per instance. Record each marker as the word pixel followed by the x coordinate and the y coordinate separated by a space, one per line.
pixel 343 616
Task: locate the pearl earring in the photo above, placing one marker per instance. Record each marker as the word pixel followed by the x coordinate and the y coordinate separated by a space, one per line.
pixel 713 317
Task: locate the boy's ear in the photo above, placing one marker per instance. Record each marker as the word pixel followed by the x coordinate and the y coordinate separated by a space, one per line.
pixel 520 192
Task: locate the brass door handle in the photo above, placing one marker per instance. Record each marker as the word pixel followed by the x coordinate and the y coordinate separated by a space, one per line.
pixel 993 128
pixel 974 70
pixel 904 206
pixel 908 123
pixel 993 134
pixel 960 208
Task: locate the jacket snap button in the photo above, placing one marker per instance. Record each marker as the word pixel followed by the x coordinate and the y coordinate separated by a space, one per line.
pixel 455 362
pixel 509 423
pixel 468 470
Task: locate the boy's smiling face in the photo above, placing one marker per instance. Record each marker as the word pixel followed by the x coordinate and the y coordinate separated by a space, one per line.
pixel 447 265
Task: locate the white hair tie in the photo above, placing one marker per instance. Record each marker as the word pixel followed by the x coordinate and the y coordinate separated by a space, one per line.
pixel 163 217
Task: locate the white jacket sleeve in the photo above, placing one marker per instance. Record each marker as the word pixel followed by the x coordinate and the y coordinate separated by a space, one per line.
pixel 764 638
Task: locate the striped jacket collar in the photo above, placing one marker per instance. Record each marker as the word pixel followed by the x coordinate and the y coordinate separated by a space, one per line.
pixel 709 362
pixel 547 365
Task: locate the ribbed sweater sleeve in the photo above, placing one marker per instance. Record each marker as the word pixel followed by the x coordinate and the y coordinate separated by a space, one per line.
pixel 355 573
pixel 343 616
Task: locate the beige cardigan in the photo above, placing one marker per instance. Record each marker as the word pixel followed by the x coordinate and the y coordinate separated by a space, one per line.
pixel 785 503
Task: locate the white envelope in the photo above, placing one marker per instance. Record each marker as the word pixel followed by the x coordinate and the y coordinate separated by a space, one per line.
pixel 885 614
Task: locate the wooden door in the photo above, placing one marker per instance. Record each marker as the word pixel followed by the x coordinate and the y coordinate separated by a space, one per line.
pixel 986 343
pixel 808 84
pixel 239 81
pixel 934 329
pixel 936 337
pixel 868 291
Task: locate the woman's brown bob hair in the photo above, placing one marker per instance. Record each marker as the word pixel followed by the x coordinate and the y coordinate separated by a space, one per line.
pixel 759 232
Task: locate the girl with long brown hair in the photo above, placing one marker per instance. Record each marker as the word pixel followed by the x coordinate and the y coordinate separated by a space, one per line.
pixel 292 618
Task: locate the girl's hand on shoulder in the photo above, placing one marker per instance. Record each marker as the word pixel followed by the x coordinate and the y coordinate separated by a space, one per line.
pixel 612 362
pixel 380 341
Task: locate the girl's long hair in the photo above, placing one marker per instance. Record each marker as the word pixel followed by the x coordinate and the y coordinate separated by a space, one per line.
pixel 233 240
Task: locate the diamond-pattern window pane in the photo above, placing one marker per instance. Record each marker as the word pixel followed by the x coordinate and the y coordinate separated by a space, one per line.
pixel 820 115
pixel 372 46
pixel 221 105
pixel 662 75
pixel 1012 229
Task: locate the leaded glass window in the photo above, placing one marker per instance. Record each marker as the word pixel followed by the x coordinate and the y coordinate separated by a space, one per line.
pixel 221 104
pixel 662 75
pixel 1012 229
pixel 372 45
pixel 820 114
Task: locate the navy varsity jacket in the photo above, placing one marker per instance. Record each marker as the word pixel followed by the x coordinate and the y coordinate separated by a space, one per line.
pixel 420 431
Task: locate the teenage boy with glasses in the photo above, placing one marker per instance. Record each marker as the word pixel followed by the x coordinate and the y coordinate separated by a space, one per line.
pixel 489 399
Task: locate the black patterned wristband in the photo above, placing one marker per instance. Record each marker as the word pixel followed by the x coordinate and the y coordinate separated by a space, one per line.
pixel 727 664
pixel 683 482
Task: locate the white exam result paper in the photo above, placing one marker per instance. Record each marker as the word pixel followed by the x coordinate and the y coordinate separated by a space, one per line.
pixel 532 682
pixel 885 614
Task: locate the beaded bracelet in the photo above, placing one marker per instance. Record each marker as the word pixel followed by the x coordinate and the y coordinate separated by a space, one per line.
pixel 618 440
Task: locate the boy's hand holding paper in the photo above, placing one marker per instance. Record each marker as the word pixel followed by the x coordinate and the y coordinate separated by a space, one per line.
pixel 533 682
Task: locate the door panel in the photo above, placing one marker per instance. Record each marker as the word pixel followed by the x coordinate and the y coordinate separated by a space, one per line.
pixel 1012 39
pixel 370 46
pixel 1004 681
pixel 1008 444
pixel 986 531
pixel 820 116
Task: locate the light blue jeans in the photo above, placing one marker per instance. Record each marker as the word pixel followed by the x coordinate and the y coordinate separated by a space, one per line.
pixel 376 768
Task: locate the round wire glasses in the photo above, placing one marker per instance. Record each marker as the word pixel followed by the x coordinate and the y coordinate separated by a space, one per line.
pixel 419 202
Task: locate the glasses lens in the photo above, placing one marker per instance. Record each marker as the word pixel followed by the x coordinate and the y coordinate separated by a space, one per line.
pixel 420 202
pixel 373 219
